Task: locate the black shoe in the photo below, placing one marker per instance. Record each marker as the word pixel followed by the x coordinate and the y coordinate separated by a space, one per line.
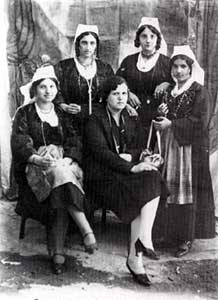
pixel 183 249
pixel 58 268
pixel 90 248
pixel 139 278
pixel 146 251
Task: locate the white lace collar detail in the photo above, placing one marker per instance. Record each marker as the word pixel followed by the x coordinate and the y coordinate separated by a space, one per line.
pixel 145 66
pixel 50 117
pixel 86 72
pixel 176 91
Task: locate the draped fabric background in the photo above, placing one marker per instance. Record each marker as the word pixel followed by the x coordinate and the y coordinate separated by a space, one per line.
pixel 48 26
pixel 39 27
pixel 207 51
pixel 5 122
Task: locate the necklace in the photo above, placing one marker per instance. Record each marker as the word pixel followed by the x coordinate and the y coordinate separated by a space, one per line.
pixel 45 111
pixel 85 66
pixel 89 83
pixel 147 56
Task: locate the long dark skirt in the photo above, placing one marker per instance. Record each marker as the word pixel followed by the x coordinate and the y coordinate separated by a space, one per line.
pixel 61 197
pixel 125 194
pixel 179 223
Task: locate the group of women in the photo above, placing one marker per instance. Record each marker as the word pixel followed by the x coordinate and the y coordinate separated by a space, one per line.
pixel 80 142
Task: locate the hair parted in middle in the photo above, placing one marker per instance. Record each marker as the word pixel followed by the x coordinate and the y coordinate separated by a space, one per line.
pixel 78 39
pixel 187 59
pixel 153 30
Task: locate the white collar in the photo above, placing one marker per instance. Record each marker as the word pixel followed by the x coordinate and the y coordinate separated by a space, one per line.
pixel 50 117
pixel 145 66
pixel 176 91
pixel 197 73
pixel 86 72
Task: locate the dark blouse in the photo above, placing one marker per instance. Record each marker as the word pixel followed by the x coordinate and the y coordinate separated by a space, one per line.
pixel 143 84
pixel 100 151
pixel 74 87
pixel 190 113
pixel 27 137
pixel 119 134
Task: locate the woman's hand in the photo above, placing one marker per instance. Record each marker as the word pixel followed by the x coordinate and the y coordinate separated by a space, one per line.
pixel 134 100
pixel 126 156
pixel 43 161
pixel 162 109
pixel 162 123
pixel 160 89
pixel 143 166
pixel 131 111
pixel 67 160
pixel 71 108
pixel 75 168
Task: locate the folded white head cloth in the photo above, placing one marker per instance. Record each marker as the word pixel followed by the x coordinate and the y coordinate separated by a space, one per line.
pixel 197 72
pixel 155 23
pixel 41 73
pixel 81 28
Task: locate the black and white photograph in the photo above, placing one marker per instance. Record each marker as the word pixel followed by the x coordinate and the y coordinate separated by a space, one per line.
pixel 109 150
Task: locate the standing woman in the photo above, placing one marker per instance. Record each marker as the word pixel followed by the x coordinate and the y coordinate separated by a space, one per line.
pixel 147 72
pixel 185 124
pixel 47 153
pixel 114 175
pixel 80 77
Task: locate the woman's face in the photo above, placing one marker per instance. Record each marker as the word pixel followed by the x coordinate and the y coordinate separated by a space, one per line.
pixel 87 46
pixel 180 70
pixel 148 40
pixel 117 99
pixel 46 90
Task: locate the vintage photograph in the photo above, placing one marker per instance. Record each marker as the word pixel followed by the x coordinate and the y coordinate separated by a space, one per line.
pixel 109 149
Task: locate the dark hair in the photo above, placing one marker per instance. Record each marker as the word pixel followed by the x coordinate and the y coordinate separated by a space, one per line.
pixel 78 39
pixel 36 83
pixel 187 59
pixel 110 84
pixel 153 29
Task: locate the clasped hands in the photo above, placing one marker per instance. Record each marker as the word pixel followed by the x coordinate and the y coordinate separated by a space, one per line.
pixel 71 108
pixel 143 166
pixel 47 161
pixel 140 167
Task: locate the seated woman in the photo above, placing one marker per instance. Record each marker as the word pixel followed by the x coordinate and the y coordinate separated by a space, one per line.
pixel 113 173
pixel 186 111
pixel 46 154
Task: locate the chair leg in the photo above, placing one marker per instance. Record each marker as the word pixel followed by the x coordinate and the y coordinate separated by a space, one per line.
pixel 22 228
pixel 103 218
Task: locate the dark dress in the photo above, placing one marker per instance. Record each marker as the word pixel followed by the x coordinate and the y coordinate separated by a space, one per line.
pixel 74 88
pixel 107 176
pixel 25 140
pixel 190 114
pixel 143 84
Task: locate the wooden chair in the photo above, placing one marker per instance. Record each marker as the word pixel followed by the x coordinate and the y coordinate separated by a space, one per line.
pixel 22 228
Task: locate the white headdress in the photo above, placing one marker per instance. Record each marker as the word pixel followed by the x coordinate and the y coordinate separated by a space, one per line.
pixel 155 23
pixel 81 28
pixel 197 72
pixel 41 73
